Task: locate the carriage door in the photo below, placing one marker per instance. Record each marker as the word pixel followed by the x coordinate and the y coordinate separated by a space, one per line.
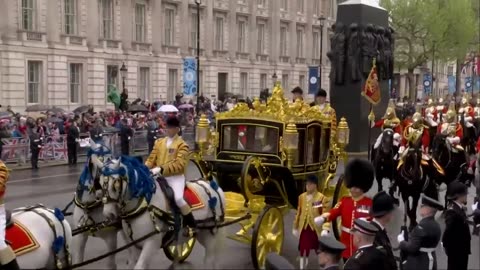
pixel 222 85
pixel 313 145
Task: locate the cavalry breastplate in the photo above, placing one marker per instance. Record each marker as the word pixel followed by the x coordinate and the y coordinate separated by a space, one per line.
pixel 414 134
pixel 391 123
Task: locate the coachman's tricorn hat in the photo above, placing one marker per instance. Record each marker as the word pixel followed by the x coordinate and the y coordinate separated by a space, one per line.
pixel 359 173
pixel 312 179
pixel 321 93
pixel 382 204
pixel 297 90
pixel 172 122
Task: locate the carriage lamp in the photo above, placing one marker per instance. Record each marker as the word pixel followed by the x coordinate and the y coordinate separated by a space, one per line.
pixel 343 133
pixel 202 132
pixel 290 138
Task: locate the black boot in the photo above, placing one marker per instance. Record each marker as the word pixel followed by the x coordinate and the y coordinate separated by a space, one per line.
pixel 12 265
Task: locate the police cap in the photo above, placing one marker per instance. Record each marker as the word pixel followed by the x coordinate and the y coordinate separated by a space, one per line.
pixel 362 226
pixel 330 245
pixel 382 204
pixel 277 262
pixel 427 201
pixel 456 189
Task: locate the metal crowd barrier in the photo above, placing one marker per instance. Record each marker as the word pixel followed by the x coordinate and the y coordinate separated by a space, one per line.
pixel 17 150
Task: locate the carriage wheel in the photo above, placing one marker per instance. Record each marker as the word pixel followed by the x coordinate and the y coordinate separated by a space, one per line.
pixel 181 252
pixel 268 235
pixel 340 191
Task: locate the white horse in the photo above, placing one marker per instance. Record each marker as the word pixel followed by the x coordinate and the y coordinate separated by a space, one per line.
pixel 48 229
pixel 88 208
pixel 129 188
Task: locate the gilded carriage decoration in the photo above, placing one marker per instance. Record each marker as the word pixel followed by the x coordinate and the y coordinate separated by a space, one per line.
pixel 261 156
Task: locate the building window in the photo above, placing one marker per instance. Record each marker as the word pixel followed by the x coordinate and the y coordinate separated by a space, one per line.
pixel 70 17
pixel 107 19
pixel 285 81
pixel 169 27
pixel 283 41
pixel 450 70
pixel 284 5
pixel 300 43
pixel 193 30
pixel 219 33
pixel 242 34
pixel 75 82
pixel 140 28
pixel 112 76
pixel 243 83
pixel 28 15
pixel 316 45
pixel 260 38
pixel 172 83
pixel 144 83
pixel 263 81
pixel 34 82
pixel 300 6
pixel 301 81
pixel 261 3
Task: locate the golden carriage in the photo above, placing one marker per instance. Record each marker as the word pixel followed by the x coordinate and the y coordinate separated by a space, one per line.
pixel 261 157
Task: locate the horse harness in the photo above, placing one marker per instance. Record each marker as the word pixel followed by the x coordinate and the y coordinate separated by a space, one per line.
pixel 51 224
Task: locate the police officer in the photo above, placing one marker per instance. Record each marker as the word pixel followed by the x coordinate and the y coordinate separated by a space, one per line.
pixel 382 213
pixel 456 238
pixel 152 136
pixel 420 248
pixel 96 132
pixel 126 134
pixel 35 146
pixel 277 262
pixel 329 252
pixel 367 256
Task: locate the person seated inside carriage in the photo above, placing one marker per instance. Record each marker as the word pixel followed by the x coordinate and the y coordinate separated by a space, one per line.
pixel 414 132
pixel 388 121
pixel 452 129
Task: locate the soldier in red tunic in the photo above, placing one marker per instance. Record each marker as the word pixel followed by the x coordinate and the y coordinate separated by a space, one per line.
pixel 359 175
pixel 416 127
pixel 7 257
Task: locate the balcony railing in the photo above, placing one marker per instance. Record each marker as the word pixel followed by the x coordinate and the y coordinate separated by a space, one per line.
pixel 262 57
pixel 284 59
pixel 141 46
pixel 220 53
pixel 243 55
pixel 32 36
pixel 74 40
pixel 111 44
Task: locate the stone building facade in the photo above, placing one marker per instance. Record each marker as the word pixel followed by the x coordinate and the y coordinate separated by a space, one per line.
pixel 66 52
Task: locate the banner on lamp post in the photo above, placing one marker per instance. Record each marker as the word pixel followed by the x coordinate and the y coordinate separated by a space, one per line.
pixel 189 76
pixel 313 83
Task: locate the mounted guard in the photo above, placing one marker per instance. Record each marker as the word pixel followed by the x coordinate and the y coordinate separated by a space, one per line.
pixel 431 114
pixel 441 110
pixel 452 129
pixel 466 115
pixel 388 121
pixel 412 133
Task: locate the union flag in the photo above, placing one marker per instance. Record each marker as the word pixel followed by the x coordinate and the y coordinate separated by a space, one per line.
pixel 371 90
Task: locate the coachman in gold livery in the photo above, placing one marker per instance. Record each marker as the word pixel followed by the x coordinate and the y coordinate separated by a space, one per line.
pixel 7 257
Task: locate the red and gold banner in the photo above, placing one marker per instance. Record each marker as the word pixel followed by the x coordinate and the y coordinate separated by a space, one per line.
pixel 371 90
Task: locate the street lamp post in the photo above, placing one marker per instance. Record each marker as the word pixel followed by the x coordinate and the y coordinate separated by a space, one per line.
pixel 124 95
pixel 274 78
pixel 322 21
pixel 198 3
pixel 123 73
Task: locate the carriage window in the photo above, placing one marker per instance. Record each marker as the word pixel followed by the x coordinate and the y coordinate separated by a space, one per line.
pixel 313 147
pixel 250 138
pixel 300 157
pixel 325 145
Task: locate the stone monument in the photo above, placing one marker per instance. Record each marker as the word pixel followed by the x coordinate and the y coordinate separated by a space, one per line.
pixel 364 35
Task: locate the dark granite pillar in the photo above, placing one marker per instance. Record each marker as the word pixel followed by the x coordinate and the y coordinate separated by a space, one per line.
pixel 347 99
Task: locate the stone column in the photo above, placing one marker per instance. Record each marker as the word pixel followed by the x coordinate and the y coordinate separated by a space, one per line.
pixel 54 21
pixel 208 32
pixel 308 53
pixel 8 22
pixel 292 34
pixel 274 38
pixel 127 16
pixel 253 34
pixel 233 32
pixel 347 99
pixel 93 23
pixel 185 32
pixel 157 26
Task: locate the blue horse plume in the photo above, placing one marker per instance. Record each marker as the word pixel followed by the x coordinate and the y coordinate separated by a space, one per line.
pixel 86 176
pixel 140 182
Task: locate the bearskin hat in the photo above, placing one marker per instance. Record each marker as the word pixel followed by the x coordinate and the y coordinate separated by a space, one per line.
pixel 359 173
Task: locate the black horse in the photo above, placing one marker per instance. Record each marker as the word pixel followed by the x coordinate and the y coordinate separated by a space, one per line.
pixel 414 177
pixel 383 159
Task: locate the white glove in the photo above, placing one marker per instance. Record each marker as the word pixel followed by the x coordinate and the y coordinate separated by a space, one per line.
pixel 475 206
pixel 453 140
pixel 401 149
pixel 325 233
pixel 156 170
pixel 77 140
pixel 401 237
pixel 397 136
pixel 319 220
pixel 129 138
pixel 295 233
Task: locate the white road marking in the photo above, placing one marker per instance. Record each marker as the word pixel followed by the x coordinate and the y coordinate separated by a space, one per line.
pixel 50 177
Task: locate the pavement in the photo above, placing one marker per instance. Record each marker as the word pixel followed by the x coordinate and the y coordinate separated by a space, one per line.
pixel 54 187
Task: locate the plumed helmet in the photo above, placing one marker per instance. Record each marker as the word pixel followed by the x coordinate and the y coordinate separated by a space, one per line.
pixel 417 119
pixel 451 113
pixel 430 101
pixel 440 101
pixel 390 112
pixel 359 173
